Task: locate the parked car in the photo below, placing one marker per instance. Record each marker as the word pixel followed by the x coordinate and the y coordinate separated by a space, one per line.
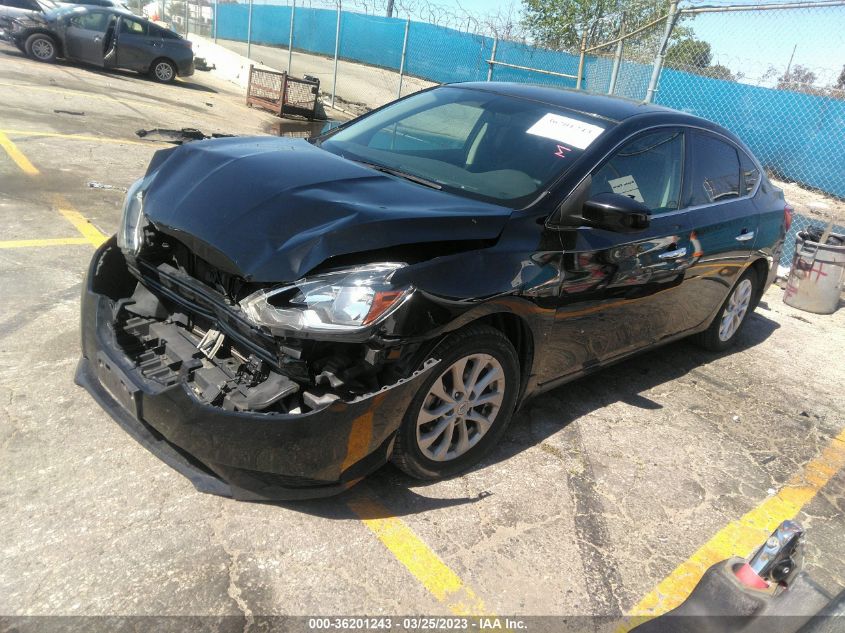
pixel 108 38
pixel 278 318
pixel 117 4
pixel 20 8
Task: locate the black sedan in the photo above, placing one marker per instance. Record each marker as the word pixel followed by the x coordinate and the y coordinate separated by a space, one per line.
pixel 277 318
pixel 104 37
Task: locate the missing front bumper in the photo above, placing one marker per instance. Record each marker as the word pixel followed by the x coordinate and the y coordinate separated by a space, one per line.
pixel 246 455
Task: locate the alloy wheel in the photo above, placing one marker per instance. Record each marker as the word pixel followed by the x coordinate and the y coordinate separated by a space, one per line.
pixel 460 407
pixel 735 309
pixel 163 71
pixel 42 48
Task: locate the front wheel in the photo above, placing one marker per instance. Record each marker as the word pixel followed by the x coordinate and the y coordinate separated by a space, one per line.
pixel 41 47
pixel 463 408
pixel 731 318
pixel 163 71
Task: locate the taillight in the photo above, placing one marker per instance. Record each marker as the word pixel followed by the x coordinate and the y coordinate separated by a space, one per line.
pixel 788 212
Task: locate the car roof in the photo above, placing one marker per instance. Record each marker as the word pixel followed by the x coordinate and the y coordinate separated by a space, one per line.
pixel 614 109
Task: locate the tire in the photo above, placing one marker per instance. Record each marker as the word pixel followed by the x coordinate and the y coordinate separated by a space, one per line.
pixel 41 47
pixel 433 445
pixel 163 71
pixel 741 301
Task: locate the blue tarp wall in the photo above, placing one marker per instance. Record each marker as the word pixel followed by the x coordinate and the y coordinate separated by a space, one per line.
pixel 799 136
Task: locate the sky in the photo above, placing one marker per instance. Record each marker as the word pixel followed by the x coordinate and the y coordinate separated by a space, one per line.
pixel 749 42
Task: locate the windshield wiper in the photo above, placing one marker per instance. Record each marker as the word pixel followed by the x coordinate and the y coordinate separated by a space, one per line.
pixel 401 174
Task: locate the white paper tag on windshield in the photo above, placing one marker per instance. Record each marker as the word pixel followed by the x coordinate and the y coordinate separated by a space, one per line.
pixel 626 186
pixel 566 130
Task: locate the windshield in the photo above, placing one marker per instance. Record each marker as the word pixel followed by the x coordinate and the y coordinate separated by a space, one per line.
pixel 486 146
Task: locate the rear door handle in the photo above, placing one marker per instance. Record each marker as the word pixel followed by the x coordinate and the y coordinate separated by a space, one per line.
pixel 676 254
pixel 744 237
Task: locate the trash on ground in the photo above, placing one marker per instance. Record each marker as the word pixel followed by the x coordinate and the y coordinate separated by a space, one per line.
pixel 93 184
pixel 185 135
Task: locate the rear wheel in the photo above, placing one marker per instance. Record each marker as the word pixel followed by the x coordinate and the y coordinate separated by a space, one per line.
pixel 728 323
pixel 41 47
pixel 463 408
pixel 163 71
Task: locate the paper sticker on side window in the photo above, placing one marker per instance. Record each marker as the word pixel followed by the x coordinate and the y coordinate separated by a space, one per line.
pixel 626 186
pixel 566 130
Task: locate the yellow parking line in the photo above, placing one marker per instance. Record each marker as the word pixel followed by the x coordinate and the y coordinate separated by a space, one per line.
pixel 84 226
pixel 443 583
pixel 80 137
pixel 18 156
pixel 53 241
pixel 739 538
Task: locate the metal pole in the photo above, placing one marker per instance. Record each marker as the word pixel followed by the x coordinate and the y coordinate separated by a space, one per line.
pixel 215 21
pixel 249 32
pixel 661 52
pixel 402 62
pixel 290 37
pixel 187 16
pixel 617 58
pixel 161 11
pixel 390 8
pixel 492 61
pixel 336 51
pixel 581 59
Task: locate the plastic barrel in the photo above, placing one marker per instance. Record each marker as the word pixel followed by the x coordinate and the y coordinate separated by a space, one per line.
pixel 817 276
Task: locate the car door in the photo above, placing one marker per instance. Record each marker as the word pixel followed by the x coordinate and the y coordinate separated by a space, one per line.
pixel 718 197
pixel 85 36
pixel 134 44
pixel 620 290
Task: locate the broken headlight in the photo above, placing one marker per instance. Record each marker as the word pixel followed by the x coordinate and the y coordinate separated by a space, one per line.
pixel 131 230
pixel 344 300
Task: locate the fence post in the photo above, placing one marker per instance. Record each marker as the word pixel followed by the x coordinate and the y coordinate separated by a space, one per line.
pixel 336 51
pixel 492 61
pixel 661 52
pixel 290 37
pixel 249 32
pixel 215 21
pixel 581 59
pixel 402 62
pixel 617 58
pixel 187 16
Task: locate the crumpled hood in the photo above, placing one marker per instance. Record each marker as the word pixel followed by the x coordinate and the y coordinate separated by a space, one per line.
pixel 271 209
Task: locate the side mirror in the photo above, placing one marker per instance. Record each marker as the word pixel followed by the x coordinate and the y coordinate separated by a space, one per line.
pixel 615 212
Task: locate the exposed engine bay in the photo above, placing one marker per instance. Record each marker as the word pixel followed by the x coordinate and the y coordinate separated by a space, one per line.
pixel 182 322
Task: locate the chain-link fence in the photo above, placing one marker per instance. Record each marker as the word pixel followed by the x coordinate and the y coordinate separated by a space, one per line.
pixel 771 74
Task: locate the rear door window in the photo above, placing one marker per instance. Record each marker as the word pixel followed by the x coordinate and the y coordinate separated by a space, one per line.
pixel 94 21
pixel 647 169
pixel 714 170
pixel 132 27
pixel 30 5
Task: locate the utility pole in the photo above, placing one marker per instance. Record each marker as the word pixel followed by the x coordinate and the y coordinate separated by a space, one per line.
pixel 390 8
pixel 789 65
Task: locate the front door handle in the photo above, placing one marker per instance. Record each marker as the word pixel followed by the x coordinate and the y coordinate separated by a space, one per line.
pixel 744 237
pixel 676 254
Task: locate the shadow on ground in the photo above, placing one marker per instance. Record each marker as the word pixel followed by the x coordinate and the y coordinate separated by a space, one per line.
pixel 623 382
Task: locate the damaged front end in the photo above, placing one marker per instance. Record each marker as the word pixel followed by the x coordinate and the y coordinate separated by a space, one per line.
pixel 254 391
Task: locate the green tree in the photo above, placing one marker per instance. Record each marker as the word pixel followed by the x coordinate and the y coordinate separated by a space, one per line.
pixel 689 53
pixel 840 83
pixel 559 24
pixel 799 79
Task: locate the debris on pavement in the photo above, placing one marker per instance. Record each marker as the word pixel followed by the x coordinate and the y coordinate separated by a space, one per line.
pixel 184 135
